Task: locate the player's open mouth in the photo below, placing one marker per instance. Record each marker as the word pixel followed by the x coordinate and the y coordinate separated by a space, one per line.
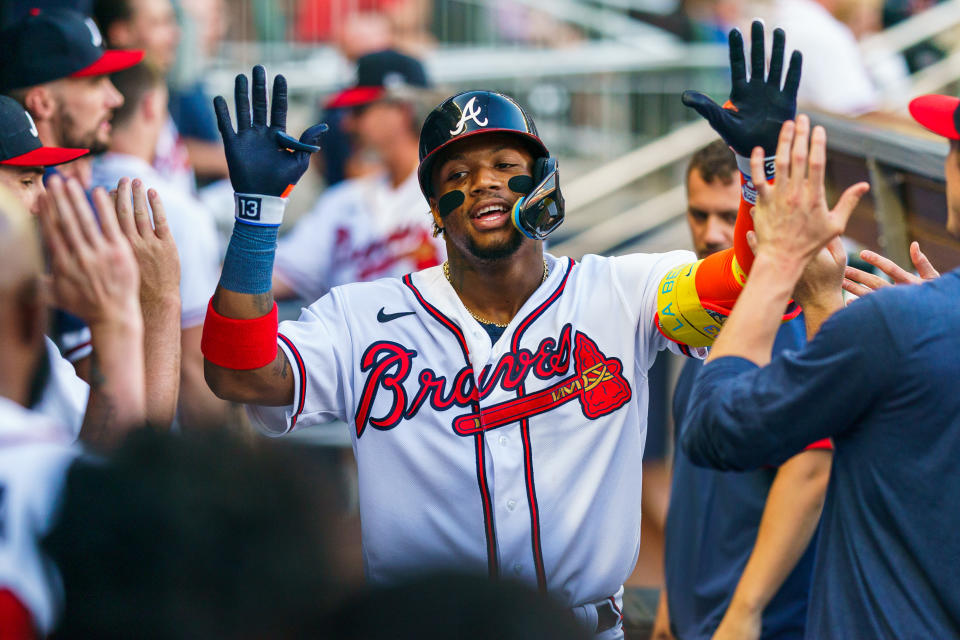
pixel 489 215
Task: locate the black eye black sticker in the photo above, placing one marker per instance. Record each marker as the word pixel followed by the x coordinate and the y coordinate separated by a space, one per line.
pixel 521 184
pixel 450 201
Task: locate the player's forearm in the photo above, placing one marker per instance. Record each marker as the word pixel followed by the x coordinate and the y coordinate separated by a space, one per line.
pixel 814 315
pixel 752 327
pixel 117 401
pixel 161 320
pixel 789 521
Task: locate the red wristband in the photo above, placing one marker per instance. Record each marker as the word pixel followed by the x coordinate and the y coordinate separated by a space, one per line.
pixel 239 344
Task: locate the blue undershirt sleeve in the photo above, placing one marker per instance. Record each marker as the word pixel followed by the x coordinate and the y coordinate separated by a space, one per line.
pixel 741 416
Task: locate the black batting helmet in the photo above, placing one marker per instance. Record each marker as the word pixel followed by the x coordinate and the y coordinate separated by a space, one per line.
pixel 467 114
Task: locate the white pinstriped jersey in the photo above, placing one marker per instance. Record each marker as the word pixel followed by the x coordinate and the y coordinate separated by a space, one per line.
pixel 521 458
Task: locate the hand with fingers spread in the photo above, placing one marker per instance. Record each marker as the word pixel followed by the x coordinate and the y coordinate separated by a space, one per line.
pixel 263 160
pixel 791 218
pixel 94 272
pixel 860 283
pixel 95 276
pixel 759 106
pixel 152 243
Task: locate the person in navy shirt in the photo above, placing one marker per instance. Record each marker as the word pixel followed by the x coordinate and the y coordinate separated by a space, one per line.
pixel 737 544
pixel 880 379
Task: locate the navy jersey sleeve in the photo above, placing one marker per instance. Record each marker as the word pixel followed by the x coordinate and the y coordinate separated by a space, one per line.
pixel 741 416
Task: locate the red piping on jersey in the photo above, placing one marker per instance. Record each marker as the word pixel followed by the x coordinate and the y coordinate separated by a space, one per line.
pixel 536 545
pixel 301 370
pixel 493 562
pixel 74 350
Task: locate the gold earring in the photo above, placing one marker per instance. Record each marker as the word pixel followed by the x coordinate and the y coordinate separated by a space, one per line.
pixel 437 230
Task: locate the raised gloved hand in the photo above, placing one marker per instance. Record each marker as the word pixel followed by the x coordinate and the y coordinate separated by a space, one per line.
pixel 263 160
pixel 759 107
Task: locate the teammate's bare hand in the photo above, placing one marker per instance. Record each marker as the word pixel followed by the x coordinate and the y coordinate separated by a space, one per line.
pixel 152 243
pixel 791 218
pixel 860 283
pixel 95 275
pixel 758 106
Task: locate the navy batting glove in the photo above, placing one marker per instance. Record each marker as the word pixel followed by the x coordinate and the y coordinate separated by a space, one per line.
pixel 760 105
pixel 262 158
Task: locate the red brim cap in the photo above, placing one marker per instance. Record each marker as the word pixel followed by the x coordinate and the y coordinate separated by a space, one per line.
pixel 355 96
pixel 111 60
pixel 45 157
pixel 937 113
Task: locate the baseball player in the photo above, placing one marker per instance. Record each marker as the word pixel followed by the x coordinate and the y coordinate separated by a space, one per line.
pixel 737 554
pixel 496 402
pixel 880 379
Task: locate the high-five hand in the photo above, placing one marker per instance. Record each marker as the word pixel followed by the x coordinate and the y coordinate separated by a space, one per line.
pixel 791 218
pixel 261 157
pixel 758 106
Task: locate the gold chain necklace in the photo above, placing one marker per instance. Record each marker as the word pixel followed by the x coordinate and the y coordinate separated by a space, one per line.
pixel 446 274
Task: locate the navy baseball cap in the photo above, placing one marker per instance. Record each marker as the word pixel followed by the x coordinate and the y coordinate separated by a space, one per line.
pixel 20 145
pixel 54 44
pixel 940 114
pixel 378 72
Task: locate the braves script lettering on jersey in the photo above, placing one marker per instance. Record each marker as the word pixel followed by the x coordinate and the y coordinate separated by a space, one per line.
pixel 520 458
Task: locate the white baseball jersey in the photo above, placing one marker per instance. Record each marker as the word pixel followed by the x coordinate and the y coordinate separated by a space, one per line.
pixel 191 225
pixel 65 395
pixel 35 453
pixel 360 230
pixel 520 458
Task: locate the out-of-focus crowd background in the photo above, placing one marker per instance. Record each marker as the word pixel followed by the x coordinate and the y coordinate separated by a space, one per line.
pixel 602 79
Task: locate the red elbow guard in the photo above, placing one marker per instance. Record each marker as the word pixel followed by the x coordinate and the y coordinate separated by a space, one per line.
pixel 239 344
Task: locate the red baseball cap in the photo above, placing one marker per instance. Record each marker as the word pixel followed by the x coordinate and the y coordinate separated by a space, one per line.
pixel 940 114
pixel 59 43
pixel 20 145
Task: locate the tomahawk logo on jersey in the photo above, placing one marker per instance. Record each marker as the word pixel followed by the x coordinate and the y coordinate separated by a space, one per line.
pixel 549 421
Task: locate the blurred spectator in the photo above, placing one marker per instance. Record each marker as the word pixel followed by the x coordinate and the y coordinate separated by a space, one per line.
pixel 152 26
pixel 138 126
pixel 199 537
pixel 362 34
pixel 203 24
pixel 377 225
pixel 452 606
pixel 835 77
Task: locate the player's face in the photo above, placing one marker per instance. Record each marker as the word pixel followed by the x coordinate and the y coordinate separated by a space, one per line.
pixel 480 167
pixel 84 107
pixel 711 213
pixel 951 169
pixel 26 183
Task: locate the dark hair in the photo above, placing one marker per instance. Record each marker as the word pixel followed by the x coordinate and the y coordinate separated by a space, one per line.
pixel 133 84
pixel 106 12
pixel 714 161
pixel 200 536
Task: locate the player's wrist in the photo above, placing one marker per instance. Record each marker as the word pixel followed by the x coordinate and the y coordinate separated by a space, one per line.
pixel 259 210
pixel 787 266
pixel 748 181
